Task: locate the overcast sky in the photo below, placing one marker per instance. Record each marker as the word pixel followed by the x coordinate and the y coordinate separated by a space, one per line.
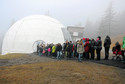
pixel 68 12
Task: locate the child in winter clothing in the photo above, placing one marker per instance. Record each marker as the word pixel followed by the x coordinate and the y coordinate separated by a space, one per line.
pixel 80 50
pixel 49 51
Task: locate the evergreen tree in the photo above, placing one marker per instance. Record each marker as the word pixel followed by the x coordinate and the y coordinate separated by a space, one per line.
pixel 107 23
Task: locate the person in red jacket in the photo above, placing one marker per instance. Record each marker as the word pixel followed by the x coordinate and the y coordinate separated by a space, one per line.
pixel 73 51
pixel 87 48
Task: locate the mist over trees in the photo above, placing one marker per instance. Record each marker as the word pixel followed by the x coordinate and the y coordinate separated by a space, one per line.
pixel 121 23
pixel 108 22
pixel 111 23
pixel 90 30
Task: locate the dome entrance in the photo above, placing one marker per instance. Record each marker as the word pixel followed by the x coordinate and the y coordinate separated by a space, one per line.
pixel 36 43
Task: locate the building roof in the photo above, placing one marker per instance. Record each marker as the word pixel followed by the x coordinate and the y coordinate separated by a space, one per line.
pixel 75 29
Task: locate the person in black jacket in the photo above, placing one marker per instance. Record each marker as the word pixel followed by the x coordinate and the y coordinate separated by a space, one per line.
pixel 40 49
pixel 76 54
pixel 67 50
pixel 92 49
pixel 59 51
pixel 63 50
pixel 118 47
pixel 37 48
pixel 107 43
pixel 71 52
pixel 98 47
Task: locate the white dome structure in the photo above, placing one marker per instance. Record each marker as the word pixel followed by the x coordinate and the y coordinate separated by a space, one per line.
pixel 21 37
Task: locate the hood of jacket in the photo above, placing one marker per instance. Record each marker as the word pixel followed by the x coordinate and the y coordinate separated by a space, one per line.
pixel 117 43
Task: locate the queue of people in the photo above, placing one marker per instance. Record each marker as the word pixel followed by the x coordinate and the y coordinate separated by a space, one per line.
pixel 83 49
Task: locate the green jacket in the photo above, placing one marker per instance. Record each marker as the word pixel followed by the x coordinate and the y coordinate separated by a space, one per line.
pixel 123 43
pixel 53 49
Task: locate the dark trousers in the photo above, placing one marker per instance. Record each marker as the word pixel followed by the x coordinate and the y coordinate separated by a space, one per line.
pixel 37 50
pixel 70 54
pixel 87 55
pixel 53 54
pixel 84 55
pixel 106 52
pixel 67 54
pixel 76 54
pixel 123 55
pixel 98 54
pixel 92 53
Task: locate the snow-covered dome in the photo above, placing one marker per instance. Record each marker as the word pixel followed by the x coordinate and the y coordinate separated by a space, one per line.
pixel 21 36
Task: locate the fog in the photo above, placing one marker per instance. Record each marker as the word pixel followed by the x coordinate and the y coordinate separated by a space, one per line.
pixel 111 23
pixel 99 17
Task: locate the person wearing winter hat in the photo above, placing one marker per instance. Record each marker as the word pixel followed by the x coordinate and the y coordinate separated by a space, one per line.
pixel 80 50
pixel 98 47
pixel 107 44
pixel 87 44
